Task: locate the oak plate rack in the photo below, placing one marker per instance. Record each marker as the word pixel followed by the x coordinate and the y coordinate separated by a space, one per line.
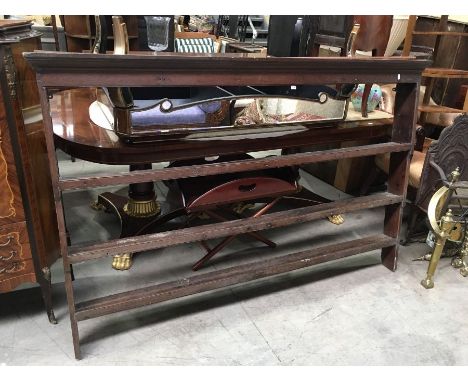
pixel 57 71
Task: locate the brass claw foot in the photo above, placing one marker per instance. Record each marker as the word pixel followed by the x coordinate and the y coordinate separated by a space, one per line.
pixel 241 207
pixel 336 219
pixel 97 206
pixel 122 262
pixel 464 271
pixel 427 283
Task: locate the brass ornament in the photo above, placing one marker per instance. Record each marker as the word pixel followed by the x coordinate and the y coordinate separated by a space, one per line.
pixel 446 229
pixel 336 219
pixel 10 71
pixel 122 262
pixel 145 208
pixel 95 205
pixel 464 259
pixel 446 225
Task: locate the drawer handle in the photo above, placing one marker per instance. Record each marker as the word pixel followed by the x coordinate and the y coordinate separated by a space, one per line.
pixel 247 187
pixel 12 254
pixel 13 268
pixel 10 238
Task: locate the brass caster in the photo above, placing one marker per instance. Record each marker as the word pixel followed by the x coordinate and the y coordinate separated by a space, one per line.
pixel 336 219
pixel 122 262
pixel 427 283
pixel 457 262
pixel 464 271
pixel 97 206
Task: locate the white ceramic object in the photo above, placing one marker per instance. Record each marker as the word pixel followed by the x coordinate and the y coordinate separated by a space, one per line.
pixel 101 115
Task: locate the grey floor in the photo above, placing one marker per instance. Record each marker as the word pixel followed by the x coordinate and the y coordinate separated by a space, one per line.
pixel 348 312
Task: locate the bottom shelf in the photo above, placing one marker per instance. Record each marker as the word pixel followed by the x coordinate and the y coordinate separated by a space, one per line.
pixel 226 277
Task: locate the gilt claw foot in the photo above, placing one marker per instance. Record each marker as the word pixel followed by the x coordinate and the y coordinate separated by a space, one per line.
pixel 336 219
pixel 97 206
pixel 122 262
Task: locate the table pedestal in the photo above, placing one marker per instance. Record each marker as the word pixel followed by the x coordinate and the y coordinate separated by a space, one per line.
pixel 134 212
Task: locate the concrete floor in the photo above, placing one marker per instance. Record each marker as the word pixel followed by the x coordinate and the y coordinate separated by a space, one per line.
pixel 349 312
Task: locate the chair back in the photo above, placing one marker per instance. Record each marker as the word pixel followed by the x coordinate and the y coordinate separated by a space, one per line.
pixel 195 42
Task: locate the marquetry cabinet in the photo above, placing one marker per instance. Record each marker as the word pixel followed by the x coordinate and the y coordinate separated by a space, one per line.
pixel 28 237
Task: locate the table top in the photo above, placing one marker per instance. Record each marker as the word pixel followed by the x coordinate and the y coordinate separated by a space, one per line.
pixel 13 31
pixel 12 23
pixel 76 134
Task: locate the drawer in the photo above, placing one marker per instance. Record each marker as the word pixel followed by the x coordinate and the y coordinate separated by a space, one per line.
pixel 14 244
pixel 16 264
pixel 13 274
pixel 15 269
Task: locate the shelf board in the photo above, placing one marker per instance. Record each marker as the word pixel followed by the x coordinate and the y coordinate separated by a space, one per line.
pixel 441 33
pixel 226 277
pixel 228 167
pixel 439 109
pixel 141 243
pixel 445 73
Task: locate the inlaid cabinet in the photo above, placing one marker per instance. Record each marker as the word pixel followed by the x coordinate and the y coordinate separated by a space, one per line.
pixel 28 234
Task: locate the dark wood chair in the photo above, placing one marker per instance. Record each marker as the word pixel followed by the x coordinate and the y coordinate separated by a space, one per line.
pixel 335 31
pixel 329 30
pixel 80 31
pixel 373 35
pixel 288 35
